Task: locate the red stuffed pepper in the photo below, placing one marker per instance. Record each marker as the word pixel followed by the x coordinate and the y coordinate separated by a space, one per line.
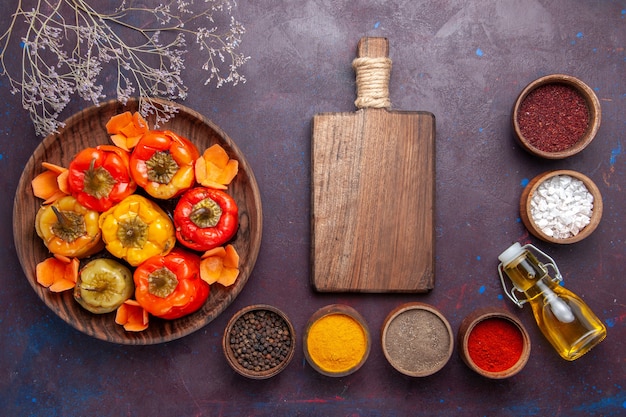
pixel 205 218
pixel 170 286
pixel 162 163
pixel 100 178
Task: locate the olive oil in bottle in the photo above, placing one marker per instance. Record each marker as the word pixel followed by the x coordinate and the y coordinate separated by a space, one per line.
pixel 564 319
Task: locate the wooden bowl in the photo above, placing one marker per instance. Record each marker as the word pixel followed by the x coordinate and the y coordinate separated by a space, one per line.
pixel 317 351
pixel 87 128
pixel 498 369
pixel 417 339
pixel 265 321
pixel 531 225
pixel 593 105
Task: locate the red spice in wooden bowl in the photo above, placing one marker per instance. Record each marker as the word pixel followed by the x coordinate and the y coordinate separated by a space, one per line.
pixel 553 117
pixel 493 343
pixel 556 116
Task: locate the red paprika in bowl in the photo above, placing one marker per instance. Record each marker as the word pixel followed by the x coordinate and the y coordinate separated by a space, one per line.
pixel 556 116
pixel 493 343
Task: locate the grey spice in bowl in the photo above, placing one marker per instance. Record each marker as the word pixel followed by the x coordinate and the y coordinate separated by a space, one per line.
pixel 417 339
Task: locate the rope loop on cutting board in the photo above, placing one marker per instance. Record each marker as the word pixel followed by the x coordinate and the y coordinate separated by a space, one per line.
pixel 372 82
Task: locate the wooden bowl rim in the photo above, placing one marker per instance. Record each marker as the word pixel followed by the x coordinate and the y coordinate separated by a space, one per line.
pixel 228 353
pixel 480 315
pixel 593 104
pixel 416 305
pixel 532 186
pixel 332 309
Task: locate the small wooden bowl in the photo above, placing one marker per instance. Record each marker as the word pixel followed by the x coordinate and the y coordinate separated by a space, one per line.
pixel 468 325
pixel 417 339
pixel 529 222
pixel 231 335
pixel 593 105
pixel 344 365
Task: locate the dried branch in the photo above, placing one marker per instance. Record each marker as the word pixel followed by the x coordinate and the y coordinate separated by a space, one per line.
pixel 67 44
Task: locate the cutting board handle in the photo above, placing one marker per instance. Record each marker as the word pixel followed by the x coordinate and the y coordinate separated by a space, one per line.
pixel 373 70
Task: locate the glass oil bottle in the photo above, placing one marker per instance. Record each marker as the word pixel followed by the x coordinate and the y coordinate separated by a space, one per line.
pixel 564 319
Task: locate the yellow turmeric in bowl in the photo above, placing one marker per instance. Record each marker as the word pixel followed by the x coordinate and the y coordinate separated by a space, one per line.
pixel 337 343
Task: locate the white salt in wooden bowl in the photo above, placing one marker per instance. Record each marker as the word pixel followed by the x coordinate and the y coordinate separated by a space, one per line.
pixel 529 220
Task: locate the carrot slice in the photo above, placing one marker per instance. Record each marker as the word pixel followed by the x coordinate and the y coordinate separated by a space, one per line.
pixel 231 267
pixel 51 184
pixel 71 270
pixel 215 169
pixel 132 316
pixel 70 275
pixel 211 269
pixel 126 129
pixel 231 260
pixel 62 258
pixel 220 265
pixel 45 271
pixel 63 182
pixel 228 277
pixel 117 122
pixel 139 122
pixel 218 251
pixel 45 185
pixel 53 167
pixel 132 141
pixel 217 155
pixel 58 273
pixel 120 141
pixel 133 129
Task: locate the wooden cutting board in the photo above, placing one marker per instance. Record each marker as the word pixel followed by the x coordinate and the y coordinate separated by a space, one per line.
pixel 373 186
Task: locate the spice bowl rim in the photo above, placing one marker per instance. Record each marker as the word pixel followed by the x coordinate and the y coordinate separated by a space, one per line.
pixel 593 105
pixel 395 313
pixel 228 350
pixel 478 316
pixel 531 187
pixel 327 311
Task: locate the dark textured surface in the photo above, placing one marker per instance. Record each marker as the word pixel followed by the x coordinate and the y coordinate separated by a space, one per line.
pixel 464 61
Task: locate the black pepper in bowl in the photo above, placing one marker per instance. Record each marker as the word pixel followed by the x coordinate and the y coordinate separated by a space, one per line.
pixel 259 341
